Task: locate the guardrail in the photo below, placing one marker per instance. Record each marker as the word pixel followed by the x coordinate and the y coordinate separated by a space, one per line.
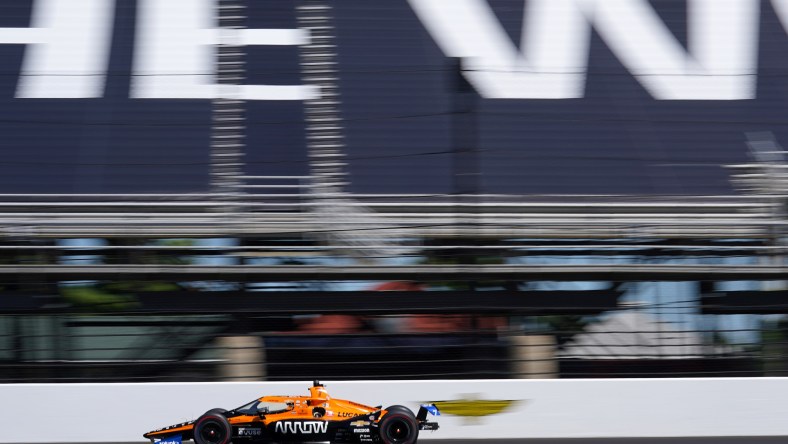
pixel 284 212
pixel 372 273
pixel 472 409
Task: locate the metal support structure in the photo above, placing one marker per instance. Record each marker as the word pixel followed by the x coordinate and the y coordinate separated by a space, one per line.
pixel 227 138
pixel 465 139
pixel 324 129
pixel 766 180
pixel 354 225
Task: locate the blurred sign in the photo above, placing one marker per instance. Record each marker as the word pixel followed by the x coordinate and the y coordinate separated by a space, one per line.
pixel 551 62
pixel 100 96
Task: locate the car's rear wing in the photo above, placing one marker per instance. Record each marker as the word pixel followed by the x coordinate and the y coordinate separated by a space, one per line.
pixel 427 408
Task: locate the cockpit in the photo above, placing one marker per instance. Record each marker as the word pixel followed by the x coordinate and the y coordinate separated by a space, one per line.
pixel 257 407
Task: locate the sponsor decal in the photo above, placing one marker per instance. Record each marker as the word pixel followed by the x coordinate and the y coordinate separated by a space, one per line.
pixel 347 415
pixel 250 431
pixel 432 409
pixel 472 408
pixel 359 423
pixel 301 427
pixel 170 440
pixel 366 430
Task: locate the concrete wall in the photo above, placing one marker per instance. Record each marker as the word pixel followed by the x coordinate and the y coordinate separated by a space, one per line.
pixel 40 413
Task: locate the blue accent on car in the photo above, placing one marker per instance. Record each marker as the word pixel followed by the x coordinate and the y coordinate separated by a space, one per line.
pixel 432 409
pixel 176 439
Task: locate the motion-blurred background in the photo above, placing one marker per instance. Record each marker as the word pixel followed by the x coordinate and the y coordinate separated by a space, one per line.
pixel 206 190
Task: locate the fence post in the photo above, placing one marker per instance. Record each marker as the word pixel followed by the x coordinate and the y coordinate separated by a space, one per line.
pixel 243 358
pixel 534 357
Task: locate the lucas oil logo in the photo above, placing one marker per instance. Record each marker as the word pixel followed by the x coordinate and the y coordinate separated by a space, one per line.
pixel 301 427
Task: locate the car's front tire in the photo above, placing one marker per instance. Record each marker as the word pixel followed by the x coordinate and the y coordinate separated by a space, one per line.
pixel 399 426
pixel 212 428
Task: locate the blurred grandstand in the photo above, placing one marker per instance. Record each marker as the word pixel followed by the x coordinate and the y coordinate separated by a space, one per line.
pixel 264 270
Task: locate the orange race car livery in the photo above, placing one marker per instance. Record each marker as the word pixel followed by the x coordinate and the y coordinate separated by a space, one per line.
pixel 316 417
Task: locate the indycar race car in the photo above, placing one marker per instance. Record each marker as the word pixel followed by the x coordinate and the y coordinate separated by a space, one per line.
pixel 316 417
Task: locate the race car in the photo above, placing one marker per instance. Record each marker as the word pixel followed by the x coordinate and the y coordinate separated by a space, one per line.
pixel 316 417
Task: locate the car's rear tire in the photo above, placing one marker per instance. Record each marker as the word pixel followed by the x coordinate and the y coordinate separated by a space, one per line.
pixel 399 426
pixel 212 428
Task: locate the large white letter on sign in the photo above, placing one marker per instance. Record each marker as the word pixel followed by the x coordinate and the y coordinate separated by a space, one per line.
pixel 550 65
pixel 175 54
pixel 723 45
pixel 720 63
pixel 67 49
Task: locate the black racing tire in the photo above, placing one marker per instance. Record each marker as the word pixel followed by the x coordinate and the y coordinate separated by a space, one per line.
pixel 399 426
pixel 212 428
pixel 217 410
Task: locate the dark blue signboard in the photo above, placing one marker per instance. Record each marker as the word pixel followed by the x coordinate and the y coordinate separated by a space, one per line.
pixel 617 139
pixel 594 97
pixel 105 144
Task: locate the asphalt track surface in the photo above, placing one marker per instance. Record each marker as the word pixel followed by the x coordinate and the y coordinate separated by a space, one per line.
pixel 709 440
pixel 726 440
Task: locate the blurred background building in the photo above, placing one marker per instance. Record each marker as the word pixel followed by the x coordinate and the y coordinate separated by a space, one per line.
pixel 299 189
